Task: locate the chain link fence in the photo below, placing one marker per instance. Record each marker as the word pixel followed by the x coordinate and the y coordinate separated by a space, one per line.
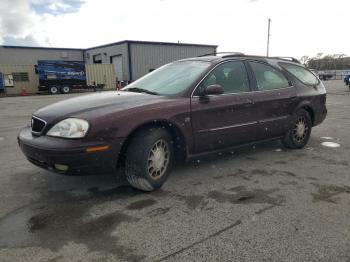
pixel 333 74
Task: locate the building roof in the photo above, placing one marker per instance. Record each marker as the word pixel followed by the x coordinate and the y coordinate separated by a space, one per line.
pixel 111 44
pixel 150 43
pixel 40 47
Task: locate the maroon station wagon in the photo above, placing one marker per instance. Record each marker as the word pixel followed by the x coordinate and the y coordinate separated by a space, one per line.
pixel 185 108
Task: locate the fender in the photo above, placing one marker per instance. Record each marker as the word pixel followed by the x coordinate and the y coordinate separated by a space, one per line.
pixel 307 105
pixel 176 130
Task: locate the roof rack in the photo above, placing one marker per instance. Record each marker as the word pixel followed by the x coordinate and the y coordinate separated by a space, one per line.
pixel 289 58
pixel 233 54
pixel 229 54
pixel 239 54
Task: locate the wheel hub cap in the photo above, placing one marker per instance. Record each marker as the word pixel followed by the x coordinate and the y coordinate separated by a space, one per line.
pixel 158 159
pixel 300 130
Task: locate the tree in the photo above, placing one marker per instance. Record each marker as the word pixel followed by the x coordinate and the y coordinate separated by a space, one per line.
pixel 328 62
pixel 304 59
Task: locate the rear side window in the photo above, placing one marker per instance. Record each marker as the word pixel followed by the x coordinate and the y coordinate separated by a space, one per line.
pixel 267 77
pixel 301 73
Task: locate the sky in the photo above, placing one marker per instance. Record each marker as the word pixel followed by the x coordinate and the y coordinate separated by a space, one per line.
pixel 298 27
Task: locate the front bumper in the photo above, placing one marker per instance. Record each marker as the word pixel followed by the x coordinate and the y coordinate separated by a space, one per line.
pixel 46 152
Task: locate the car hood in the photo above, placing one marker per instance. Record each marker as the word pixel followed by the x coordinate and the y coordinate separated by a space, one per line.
pixel 102 100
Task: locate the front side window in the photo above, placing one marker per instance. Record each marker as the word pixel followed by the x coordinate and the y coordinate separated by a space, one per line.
pixel 267 77
pixel 232 76
pixel 301 73
pixel 170 79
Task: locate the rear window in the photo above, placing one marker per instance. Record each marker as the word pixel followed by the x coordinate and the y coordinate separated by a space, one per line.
pixel 301 73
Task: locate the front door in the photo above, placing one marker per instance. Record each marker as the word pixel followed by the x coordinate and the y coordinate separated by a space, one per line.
pixel 223 120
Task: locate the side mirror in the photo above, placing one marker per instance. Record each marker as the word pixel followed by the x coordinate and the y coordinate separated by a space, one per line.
pixel 214 90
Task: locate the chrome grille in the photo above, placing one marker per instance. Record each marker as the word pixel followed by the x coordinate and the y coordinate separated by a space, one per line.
pixel 38 125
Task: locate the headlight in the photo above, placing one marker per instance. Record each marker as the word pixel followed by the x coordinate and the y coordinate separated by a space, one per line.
pixel 70 128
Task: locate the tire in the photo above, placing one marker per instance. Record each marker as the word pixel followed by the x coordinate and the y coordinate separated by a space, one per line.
pixel 149 159
pixel 53 90
pixel 65 89
pixel 299 131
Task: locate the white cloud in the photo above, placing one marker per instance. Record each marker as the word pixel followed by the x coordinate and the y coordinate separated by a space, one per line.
pixel 298 27
pixel 28 40
pixel 15 18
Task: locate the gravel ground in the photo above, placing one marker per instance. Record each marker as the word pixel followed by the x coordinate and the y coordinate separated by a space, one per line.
pixel 257 203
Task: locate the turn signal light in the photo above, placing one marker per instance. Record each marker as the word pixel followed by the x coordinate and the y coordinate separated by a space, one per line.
pixel 96 149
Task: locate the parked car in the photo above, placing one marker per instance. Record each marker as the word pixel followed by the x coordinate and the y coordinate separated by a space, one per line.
pixel 325 76
pixel 347 80
pixel 183 109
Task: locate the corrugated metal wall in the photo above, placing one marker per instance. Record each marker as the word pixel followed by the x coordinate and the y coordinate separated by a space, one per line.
pixel 101 74
pixel 107 52
pixel 31 85
pixel 30 56
pixel 151 56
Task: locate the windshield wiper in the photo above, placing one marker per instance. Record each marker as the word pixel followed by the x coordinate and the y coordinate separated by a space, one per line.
pixel 141 90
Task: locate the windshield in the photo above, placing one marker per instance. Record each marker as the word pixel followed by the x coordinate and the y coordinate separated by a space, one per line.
pixel 170 79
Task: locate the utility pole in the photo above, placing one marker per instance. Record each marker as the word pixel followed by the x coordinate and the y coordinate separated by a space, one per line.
pixel 268 37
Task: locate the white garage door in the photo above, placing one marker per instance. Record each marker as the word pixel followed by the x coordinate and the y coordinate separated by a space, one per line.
pixel 118 66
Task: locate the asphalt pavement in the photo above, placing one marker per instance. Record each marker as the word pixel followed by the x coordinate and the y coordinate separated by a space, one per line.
pixel 256 203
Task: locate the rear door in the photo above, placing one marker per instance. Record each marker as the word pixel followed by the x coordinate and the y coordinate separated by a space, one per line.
pixel 275 97
pixel 223 120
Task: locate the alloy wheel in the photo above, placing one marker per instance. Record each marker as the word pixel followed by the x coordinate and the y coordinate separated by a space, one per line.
pixel 158 159
pixel 300 129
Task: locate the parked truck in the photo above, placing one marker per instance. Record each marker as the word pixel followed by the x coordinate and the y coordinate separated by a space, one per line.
pixel 56 76
pixel 2 85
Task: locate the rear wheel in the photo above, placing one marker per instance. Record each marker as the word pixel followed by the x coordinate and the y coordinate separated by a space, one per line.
pixel 65 89
pixel 53 90
pixel 149 159
pixel 299 132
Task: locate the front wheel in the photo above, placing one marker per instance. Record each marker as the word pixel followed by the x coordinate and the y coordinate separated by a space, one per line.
pixel 149 159
pixel 299 132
